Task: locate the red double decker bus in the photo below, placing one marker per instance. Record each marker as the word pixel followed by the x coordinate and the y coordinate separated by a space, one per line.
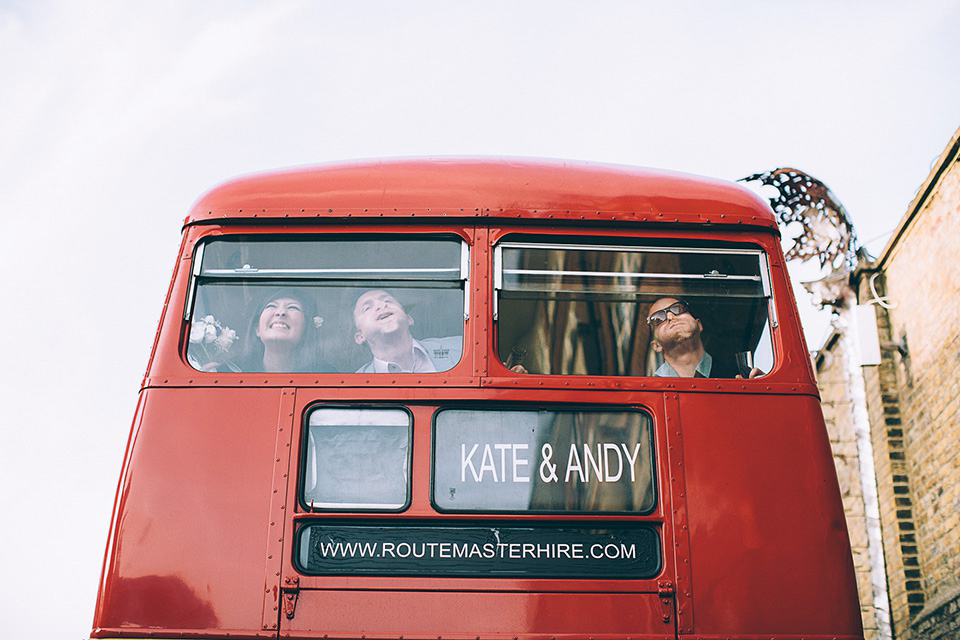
pixel 440 399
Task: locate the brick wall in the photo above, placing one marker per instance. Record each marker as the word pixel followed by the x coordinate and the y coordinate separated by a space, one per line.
pixel 921 273
pixel 895 496
pixel 913 408
pixel 838 414
pixel 913 400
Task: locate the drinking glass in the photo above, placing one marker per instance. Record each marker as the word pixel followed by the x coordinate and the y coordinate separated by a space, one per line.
pixel 744 363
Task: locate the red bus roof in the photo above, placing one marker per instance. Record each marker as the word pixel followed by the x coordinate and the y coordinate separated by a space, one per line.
pixel 483 187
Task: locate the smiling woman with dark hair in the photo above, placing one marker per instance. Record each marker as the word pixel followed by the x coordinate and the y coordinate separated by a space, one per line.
pixel 283 334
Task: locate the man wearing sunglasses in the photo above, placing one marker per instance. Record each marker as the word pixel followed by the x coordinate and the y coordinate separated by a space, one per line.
pixel 676 334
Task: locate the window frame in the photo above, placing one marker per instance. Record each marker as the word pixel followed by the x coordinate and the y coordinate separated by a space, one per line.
pixel 651 456
pixel 650 244
pixel 304 456
pixel 377 278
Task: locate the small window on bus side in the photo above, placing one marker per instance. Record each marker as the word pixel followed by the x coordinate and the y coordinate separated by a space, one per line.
pixel 357 459
pixel 291 304
pixel 582 309
pixel 543 461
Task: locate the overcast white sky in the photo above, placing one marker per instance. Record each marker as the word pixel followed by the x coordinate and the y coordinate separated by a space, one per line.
pixel 115 116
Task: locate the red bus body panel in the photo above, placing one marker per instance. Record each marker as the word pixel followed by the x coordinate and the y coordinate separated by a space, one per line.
pixel 748 507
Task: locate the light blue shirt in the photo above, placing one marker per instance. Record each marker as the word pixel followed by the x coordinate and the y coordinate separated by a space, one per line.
pixel 703 369
pixel 430 355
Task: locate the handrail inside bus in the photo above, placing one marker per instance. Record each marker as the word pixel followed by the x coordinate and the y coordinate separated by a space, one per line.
pixel 630 248
pixel 555 285
pixel 412 277
pixel 631 274
pixel 247 271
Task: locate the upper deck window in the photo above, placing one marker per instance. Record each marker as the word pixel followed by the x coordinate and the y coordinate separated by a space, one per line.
pixel 374 304
pixel 583 309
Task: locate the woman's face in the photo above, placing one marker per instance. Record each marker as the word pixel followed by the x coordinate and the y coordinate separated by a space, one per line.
pixel 281 321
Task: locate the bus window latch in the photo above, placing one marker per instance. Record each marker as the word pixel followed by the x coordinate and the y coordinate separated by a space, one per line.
pixel 291 589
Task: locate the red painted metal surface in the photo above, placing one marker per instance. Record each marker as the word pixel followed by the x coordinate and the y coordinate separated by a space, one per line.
pixel 478 188
pixel 749 514
pixel 611 615
pixel 767 531
pixel 187 553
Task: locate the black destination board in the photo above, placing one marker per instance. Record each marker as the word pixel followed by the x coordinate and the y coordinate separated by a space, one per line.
pixel 629 552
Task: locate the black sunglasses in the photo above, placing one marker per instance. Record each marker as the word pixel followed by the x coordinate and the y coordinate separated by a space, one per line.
pixel 659 317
